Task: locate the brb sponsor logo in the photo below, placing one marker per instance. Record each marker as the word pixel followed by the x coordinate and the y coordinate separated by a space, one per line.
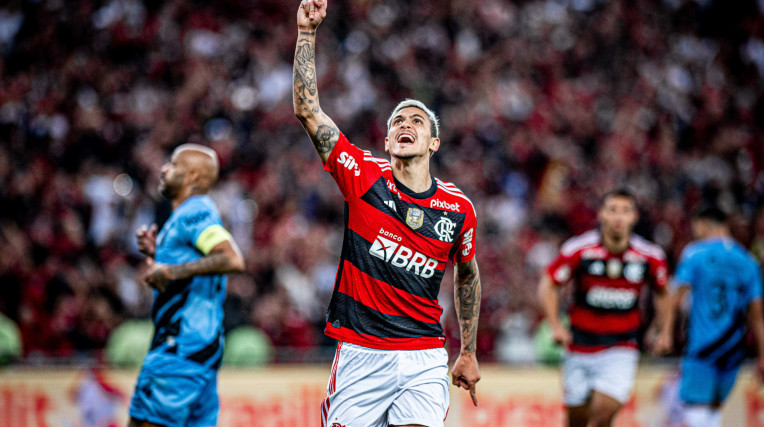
pixel 349 162
pixel 387 247
pixel 441 204
pixel 610 298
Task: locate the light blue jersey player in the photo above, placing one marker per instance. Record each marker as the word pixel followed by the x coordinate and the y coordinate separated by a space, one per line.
pixel 187 262
pixel 725 288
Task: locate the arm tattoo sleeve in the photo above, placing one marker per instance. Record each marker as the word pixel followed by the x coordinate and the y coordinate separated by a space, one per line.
pixel 305 94
pixel 467 301
pixel 304 74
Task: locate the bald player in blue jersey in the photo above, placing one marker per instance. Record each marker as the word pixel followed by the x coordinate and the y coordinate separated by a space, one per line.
pixel 186 266
pixel 724 283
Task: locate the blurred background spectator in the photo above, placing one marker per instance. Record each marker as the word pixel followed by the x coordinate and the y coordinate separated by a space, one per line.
pixel 545 105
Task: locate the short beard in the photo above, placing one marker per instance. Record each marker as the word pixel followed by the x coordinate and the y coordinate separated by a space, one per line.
pixel 166 191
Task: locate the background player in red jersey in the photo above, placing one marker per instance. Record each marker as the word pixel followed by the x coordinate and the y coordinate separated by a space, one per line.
pixel 402 227
pixel 608 267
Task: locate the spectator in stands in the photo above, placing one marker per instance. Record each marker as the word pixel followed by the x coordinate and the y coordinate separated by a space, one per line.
pixel 546 103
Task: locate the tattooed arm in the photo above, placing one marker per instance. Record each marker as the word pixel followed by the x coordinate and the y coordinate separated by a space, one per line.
pixel 467 301
pixel 321 129
pixel 225 257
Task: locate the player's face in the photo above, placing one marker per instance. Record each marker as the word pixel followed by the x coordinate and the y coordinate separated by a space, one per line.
pixel 617 216
pixel 409 135
pixel 171 180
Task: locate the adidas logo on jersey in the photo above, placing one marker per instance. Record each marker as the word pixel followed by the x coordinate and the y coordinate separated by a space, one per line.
pixel 402 256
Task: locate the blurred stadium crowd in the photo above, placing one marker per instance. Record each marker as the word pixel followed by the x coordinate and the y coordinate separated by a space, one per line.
pixel 545 105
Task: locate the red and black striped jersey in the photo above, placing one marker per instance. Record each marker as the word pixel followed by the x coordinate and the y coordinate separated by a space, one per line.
pixel 394 254
pixel 607 287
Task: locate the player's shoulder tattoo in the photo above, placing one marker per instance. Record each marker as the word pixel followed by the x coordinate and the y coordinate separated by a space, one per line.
pixel 326 138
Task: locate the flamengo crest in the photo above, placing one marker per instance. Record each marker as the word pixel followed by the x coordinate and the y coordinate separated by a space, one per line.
pixel 445 229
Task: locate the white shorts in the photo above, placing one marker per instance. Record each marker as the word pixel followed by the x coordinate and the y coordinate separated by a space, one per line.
pixel 369 387
pixel 610 372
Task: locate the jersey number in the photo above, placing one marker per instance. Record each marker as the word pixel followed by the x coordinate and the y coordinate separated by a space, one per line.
pixel 719 303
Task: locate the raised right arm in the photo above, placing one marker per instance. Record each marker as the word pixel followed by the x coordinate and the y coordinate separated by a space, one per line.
pixel 321 129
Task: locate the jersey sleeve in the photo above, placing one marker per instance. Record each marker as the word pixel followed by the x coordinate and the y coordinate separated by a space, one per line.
pixel 211 237
pixel 203 229
pixel 684 274
pixel 353 169
pixel 755 291
pixel 467 239
pixel 659 273
pixel 560 270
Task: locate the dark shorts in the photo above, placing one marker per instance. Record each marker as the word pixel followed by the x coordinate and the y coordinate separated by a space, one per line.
pixel 703 383
pixel 173 397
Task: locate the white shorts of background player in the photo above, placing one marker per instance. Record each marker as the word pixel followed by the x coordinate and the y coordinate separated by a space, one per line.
pixel 611 372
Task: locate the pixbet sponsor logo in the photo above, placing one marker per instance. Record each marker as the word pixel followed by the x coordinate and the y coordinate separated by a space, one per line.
pixel 441 204
pixel 349 162
pixel 388 248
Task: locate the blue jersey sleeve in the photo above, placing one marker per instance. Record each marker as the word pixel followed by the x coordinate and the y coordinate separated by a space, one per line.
pixel 685 270
pixel 755 281
pixel 196 219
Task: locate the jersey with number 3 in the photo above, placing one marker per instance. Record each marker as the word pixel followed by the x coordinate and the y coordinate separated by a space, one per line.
pixel 607 287
pixel 396 247
pixel 723 279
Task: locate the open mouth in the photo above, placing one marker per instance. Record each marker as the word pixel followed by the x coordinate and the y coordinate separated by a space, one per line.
pixel 405 138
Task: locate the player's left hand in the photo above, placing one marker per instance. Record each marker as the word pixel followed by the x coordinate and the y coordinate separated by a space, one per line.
pixel 156 275
pixel 466 374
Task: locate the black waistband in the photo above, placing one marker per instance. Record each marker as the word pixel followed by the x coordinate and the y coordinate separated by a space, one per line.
pixel 591 339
